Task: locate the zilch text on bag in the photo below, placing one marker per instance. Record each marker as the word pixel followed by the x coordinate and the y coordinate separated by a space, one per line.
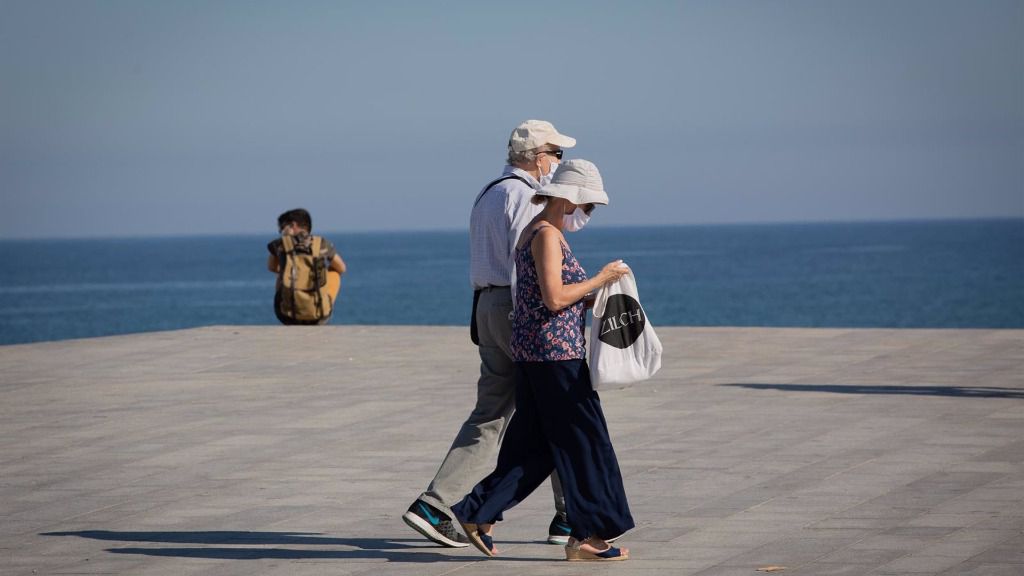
pixel 623 321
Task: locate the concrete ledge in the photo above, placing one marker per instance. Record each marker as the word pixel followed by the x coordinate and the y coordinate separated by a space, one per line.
pixel 273 450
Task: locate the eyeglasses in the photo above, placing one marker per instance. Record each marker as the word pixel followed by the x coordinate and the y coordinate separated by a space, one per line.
pixel 555 153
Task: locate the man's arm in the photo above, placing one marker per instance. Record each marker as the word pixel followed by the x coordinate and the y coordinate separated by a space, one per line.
pixel 272 264
pixel 338 265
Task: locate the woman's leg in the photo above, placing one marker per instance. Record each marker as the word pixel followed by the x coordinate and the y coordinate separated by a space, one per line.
pixel 577 432
pixel 524 462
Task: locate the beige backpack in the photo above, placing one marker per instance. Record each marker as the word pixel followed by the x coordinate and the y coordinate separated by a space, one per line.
pixel 304 297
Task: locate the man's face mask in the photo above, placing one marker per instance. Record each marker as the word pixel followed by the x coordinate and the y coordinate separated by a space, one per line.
pixel 556 157
pixel 545 179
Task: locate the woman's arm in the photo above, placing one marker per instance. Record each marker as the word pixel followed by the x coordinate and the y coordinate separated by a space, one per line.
pixel 547 254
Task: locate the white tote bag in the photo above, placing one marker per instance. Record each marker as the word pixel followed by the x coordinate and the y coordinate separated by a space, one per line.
pixel 623 345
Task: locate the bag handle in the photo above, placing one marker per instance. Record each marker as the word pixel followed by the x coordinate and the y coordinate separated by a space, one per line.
pixel 319 278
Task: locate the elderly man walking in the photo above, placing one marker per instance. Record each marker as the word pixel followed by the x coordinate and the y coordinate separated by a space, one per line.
pixel 500 213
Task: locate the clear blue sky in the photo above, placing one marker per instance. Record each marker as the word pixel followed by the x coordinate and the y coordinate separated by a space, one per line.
pixel 195 117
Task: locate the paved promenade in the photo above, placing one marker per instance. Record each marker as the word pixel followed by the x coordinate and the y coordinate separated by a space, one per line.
pixel 295 451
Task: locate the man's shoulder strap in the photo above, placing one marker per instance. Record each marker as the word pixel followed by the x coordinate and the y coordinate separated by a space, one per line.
pixel 502 179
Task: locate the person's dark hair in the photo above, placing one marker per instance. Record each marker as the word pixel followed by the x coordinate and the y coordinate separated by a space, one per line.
pixel 299 215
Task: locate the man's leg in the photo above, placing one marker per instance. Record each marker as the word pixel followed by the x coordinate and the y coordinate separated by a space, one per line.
pixel 472 453
pixel 559 529
pixel 333 285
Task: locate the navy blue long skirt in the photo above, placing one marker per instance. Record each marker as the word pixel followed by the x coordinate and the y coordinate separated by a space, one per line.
pixel 558 425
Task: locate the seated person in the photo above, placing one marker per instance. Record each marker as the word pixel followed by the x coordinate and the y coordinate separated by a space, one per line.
pixel 307 285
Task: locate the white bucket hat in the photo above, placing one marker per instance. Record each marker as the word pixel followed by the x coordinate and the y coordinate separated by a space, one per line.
pixel 536 133
pixel 578 181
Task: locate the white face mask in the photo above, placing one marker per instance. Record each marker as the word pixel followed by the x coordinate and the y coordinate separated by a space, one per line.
pixel 573 222
pixel 545 179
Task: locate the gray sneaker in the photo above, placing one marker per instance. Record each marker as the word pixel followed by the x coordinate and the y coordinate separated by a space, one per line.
pixel 434 525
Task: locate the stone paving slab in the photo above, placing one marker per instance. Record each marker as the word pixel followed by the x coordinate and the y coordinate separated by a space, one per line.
pixel 273 450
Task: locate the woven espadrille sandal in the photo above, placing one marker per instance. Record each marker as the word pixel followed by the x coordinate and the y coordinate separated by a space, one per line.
pixel 608 553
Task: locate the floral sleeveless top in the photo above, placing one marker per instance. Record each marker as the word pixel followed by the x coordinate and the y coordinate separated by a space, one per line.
pixel 538 334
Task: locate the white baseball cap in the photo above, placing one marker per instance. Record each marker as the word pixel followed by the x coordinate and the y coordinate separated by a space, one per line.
pixel 536 133
pixel 578 181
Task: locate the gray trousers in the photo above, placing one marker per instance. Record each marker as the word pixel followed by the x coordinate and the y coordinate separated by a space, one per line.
pixel 473 453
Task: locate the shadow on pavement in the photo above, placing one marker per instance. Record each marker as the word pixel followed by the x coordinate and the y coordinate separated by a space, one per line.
pixel 293 554
pixel 241 537
pixel 949 391
pixel 392 550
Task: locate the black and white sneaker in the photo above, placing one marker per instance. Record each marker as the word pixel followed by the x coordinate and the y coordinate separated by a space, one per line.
pixel 435 525
pixel 558 530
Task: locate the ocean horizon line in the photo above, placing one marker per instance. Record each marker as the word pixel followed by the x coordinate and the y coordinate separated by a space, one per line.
pixel 465 230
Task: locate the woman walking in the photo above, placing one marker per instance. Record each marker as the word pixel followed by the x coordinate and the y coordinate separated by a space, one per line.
pixel 558 422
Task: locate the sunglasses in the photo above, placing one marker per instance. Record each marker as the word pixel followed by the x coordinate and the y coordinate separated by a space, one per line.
pixel 555 153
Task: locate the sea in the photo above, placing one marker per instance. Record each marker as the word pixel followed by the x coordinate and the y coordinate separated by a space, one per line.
pixel 918 274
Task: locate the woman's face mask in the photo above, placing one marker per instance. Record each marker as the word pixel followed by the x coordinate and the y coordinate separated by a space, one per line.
pixel 578 219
